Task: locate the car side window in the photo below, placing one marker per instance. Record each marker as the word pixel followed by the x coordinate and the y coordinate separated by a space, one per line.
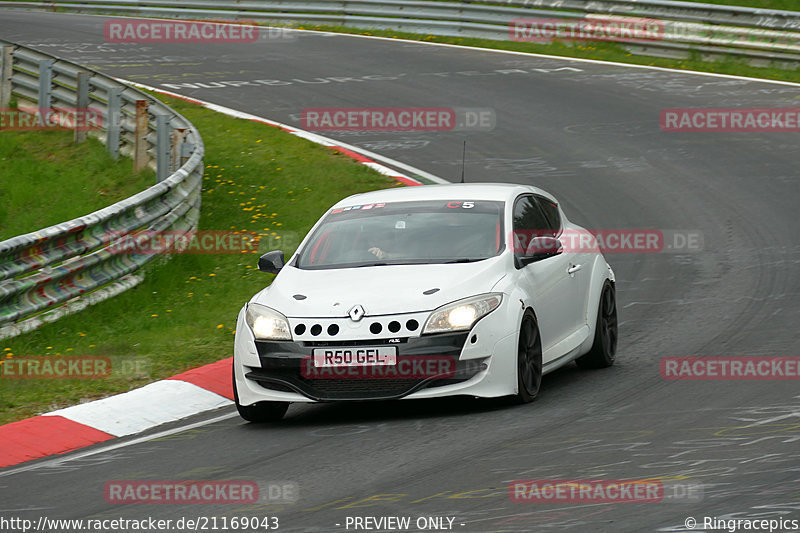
pixel 550 210
pixel 529 221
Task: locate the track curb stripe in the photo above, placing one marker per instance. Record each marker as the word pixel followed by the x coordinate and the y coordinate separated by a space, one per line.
pixel 33 438
pixel 215 377
pixel 188 393
pixel 140 409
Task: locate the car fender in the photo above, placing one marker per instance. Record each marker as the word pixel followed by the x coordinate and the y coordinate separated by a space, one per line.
pixel 519 301
pixel 601 271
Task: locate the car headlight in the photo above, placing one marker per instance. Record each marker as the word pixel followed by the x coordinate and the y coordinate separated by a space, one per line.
pixel 462 314
pixel 267 324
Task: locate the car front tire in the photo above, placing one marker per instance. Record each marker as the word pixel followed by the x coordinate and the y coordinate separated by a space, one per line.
pixel 529 360
pixel 604 348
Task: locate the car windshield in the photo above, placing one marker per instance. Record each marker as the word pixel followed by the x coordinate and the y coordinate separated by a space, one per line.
pixel 404 233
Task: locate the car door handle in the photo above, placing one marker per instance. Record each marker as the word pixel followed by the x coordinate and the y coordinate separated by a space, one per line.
pixel 573 269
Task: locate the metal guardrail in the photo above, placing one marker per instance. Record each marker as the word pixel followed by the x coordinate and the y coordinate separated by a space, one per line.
pixel 758 35
pixel 51 272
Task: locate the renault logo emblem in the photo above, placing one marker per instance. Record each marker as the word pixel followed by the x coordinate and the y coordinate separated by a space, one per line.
pixel 356 313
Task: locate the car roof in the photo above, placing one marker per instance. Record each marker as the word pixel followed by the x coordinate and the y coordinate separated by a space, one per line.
pixel 503 192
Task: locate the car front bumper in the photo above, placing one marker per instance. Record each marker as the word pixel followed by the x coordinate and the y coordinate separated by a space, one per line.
pixel 481 363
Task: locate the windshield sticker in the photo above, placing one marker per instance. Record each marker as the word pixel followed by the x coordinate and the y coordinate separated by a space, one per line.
pixel 356 208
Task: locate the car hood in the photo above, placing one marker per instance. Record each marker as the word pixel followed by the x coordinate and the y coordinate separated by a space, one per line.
pixel 381 290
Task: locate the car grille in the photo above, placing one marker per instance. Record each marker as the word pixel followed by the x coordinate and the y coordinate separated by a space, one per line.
pixel 353 389
pixel 281 368
pixel 347 387
pixel 334 389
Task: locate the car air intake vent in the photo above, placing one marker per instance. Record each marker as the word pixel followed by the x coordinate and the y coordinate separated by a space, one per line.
pixel 375 327
pixel 276 386
pixel 371 387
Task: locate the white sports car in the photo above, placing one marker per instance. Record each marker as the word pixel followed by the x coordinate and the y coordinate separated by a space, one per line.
pixel 420 292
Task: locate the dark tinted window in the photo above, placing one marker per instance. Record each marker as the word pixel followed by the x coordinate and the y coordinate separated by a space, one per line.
pixel 529 222
pixel 528 216
pixel 550 211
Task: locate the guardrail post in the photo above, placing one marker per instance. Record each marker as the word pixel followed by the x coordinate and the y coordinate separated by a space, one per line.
pixel 6 68
pixel 162 147
pixel 113 122
pixel 176 142
pixel 186 151
pixel 81 105
pixel 140 136
pixel 45 84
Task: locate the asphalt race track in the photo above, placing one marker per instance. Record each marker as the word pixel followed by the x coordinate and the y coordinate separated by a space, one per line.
pixel 589 133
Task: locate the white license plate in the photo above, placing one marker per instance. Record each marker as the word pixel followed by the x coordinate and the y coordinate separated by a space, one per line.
pixel 357 356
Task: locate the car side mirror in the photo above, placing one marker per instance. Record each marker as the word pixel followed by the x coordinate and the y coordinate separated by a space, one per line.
pixel 272 262
pixel 541 248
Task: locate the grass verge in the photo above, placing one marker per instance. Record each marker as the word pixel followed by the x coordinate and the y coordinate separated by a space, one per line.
pixel 36 165
pixel 183 315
